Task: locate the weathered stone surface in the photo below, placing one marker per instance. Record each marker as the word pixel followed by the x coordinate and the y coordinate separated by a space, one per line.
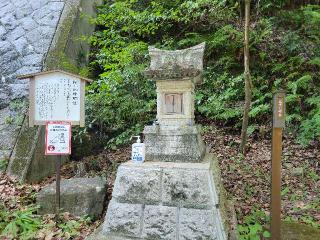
pixel 189 206
pixel 3 114
pixel 19 90
pixel 123 219
pixel 7 136
pixel 137 185
pixel 190 58
pixel 99 234
pixel 196 224
pixel 187 188
pixel 174 144
pixel 20 22
pixel 79 196
pixel 159 222
pixel 4 154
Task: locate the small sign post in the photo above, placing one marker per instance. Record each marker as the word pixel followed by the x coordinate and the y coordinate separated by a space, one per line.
pixel 56 99
pixel 58 142
pixel 278 125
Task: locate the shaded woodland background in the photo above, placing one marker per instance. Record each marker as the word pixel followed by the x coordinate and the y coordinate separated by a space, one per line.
pixel 284 53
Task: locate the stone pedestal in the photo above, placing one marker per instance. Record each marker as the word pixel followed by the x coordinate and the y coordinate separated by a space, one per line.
pixel 165 200
pixel 173 143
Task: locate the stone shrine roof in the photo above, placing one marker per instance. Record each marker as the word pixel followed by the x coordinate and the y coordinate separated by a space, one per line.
pixel 186 63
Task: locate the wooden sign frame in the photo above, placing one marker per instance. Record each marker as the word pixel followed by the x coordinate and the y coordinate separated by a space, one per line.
pixel 32 100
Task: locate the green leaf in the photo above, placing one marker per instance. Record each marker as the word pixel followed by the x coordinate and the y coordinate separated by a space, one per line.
pixel 285 191
pixel 315 61
pixel 266 234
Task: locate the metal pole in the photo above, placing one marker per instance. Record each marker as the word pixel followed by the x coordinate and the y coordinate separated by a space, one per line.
pixel 58 165
pixel 276 184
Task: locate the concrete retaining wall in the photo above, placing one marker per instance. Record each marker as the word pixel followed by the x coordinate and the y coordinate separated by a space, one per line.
pixel 48 36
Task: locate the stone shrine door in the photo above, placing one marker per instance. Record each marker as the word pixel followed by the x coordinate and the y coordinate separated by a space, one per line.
pixel 173 103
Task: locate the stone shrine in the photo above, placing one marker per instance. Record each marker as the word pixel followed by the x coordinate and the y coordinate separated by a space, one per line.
pixel 176 194
pixel 176 138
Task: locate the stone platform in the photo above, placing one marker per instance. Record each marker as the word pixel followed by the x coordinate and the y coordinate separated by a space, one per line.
pixel 165 200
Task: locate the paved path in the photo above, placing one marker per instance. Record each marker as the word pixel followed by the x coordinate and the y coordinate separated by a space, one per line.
pixel 27 28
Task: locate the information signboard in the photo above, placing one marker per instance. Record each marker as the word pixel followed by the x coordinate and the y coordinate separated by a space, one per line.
pixel 58 138
pixel 56 99
pixel 56 96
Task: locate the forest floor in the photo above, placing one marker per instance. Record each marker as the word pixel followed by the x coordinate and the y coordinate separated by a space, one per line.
pixel 246 179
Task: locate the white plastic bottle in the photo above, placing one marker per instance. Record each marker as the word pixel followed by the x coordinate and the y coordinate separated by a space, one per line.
pixel 138 151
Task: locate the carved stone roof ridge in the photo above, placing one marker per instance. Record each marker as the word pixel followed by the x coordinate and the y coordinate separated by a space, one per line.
pixel 167 64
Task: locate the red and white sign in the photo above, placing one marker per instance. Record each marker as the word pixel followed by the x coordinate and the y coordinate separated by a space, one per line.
pixel 58 138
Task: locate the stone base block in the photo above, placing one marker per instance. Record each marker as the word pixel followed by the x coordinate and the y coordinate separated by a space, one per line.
pixel 79 196
pixel 138 221
pixel 173 143
pixel 165 200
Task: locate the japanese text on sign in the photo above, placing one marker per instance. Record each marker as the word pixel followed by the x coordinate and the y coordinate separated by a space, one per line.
pixel 57 98
pixel 58 138
pixel 280 109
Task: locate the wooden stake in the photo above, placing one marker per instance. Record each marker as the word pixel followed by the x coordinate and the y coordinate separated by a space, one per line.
pixel 58 166
pixel 278 125
pixel 276 184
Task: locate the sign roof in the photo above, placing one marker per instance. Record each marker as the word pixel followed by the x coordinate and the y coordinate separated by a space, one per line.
pixel 53 71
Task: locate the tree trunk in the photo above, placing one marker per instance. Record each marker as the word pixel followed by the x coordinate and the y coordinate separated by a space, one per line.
pixel 247 79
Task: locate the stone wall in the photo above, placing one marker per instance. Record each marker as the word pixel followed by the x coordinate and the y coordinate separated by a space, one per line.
pixel 34 36
pixel 26 31
pixel 27 28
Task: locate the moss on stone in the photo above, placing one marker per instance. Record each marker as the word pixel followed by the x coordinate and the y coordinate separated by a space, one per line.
pixel 56 55
pixel 68 51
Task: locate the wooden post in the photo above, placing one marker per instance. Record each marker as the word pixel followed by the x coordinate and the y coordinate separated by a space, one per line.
pixel 278 125
pixel 58 166
pixel 32 93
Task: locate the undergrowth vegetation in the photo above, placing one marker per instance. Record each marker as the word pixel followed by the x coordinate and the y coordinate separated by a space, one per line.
pixel 284 49
pixel 26 224
pixel 19 218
